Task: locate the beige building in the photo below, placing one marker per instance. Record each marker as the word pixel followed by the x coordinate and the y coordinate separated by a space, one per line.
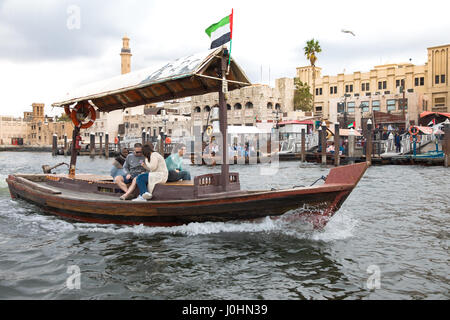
pixel 427 88
pixel 12 128
pixel 40 128
pixel 249 105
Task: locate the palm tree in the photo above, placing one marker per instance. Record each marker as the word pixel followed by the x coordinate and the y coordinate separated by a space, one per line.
pixel 311 50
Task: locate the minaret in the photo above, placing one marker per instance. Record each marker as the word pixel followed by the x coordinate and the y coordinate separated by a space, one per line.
pixel 125 55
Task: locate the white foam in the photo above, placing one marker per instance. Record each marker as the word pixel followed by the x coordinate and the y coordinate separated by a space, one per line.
pixel 338 228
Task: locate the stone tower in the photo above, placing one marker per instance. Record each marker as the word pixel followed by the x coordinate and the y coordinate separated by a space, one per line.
pixel 38 111
pixel 125 55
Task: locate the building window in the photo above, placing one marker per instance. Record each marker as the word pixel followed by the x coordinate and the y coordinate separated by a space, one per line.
pixel 318 91
pixel 351 107
pixel 365 106
pixel 197 109
pixel 269 105
pixel 249 105
pixel 318 109
pixel 382 85
pixel 419 81
pixel 348 88
pixel 237 106
pixel 390 105
pixel 436 79
pixel 398 83
pixel 376 105
pixel 442 78
pixel 332 90
pixel 439 102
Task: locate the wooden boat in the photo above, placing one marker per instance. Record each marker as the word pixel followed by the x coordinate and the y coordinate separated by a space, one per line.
pixel 93 198
pixel 210 197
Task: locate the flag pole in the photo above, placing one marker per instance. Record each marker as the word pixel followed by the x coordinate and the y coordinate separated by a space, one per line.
pixel 231 42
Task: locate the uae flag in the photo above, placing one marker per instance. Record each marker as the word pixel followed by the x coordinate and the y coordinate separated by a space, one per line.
pixel 221 32
pixel 352 125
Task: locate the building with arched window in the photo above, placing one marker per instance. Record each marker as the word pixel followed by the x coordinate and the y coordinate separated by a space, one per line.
pixel 358 95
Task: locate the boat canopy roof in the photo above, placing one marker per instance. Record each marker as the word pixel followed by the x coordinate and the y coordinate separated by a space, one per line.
pixel 188 76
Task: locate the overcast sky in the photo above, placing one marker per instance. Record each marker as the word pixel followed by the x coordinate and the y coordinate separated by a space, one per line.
pixel 45 50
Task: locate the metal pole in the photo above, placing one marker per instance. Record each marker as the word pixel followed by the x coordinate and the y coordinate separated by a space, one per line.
pixel 324 143
pixel 101 144
pixel 369 143
pixel 54 144
pixel 65 144
pixel 337 157
pixel 106 145
pixel 92 145
pixel 351 146
pixel 303 152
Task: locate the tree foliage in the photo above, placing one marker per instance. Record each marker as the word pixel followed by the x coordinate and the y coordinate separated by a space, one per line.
pixel 302 96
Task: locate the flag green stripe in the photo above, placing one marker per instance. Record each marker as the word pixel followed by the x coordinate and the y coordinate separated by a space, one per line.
pixel 217 25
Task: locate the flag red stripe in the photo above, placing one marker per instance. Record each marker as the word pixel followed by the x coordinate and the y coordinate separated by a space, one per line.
pixel 231 24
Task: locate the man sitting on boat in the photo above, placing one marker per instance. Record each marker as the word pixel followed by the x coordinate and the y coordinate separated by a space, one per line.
pixel 132 167
pixel 156 172
pixel 174 165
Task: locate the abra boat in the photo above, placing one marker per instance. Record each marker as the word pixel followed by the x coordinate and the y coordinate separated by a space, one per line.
pixel 210 197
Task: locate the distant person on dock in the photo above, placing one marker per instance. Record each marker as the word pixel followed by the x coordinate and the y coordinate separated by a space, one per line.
pixel 174 164
pixel 118 163
pixel 397 139
pixel 132 167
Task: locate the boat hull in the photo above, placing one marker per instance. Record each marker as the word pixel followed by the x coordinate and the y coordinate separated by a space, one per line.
pixel 317 203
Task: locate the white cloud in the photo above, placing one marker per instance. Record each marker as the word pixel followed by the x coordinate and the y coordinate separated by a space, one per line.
pixel 41 59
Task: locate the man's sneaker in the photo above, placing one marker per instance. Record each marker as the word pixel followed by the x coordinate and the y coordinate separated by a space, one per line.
pixel 147 196
pixel 139 199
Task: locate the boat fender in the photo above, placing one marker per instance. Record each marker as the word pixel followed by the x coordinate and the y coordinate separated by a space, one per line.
pixel 86 110
pixel 414 131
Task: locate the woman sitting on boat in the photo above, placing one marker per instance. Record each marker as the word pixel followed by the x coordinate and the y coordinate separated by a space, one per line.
pixel 157 173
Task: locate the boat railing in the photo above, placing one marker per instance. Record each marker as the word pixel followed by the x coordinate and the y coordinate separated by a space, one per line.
pixel 210 183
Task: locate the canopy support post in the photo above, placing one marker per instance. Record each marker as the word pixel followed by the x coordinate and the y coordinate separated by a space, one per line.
pixel 74 151
pixel 224 176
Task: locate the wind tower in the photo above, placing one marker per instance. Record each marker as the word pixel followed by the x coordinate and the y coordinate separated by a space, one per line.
pixel 125 55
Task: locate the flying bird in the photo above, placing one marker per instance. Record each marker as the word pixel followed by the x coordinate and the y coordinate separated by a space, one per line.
pixel 348 31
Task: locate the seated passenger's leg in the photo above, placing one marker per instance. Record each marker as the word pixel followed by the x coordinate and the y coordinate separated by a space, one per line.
pixel 173 176
pixel 185 175
pixel 142 181
pixel 120 182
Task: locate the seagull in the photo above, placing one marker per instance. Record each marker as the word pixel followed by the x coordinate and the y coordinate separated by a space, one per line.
pixel 348 31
